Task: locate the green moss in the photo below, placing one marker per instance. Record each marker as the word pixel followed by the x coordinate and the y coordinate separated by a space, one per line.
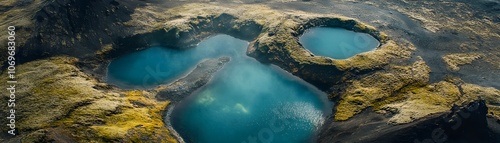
pixel 60 100
pixel 380 89
pixel 490 94
pixel 396 98
pixel 104 50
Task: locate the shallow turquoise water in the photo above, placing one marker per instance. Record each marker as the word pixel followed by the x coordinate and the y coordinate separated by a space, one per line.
pixel 337 43
pixel 245 100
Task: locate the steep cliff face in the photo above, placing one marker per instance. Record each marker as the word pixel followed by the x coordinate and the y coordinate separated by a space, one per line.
pixel 76 28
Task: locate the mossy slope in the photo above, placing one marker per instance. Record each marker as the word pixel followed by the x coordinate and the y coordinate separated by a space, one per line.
pixel 55 101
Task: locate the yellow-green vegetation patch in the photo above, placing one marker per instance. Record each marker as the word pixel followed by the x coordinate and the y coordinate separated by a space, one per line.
pixel 104 50
pixel 455 60
pixel 404 91
pixel 462 21
pixel 8 2
pixel 494 111
pixel 440 97
pixel 379 88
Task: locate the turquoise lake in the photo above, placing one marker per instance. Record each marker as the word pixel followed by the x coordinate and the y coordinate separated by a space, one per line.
pixel 245 101
pixel 158 65
pixel 337 43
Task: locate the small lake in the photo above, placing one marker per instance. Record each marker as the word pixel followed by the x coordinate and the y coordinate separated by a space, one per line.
pixel 245 101
pixel 159 65
pixel 337 43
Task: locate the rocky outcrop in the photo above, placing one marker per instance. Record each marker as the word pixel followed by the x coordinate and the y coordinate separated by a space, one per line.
pixel 419 102
pixel 197 78
pixel 467 123
pixel 404 92
pixel 56 102
pixel 72 27
pixel 63 104
pixel 18 14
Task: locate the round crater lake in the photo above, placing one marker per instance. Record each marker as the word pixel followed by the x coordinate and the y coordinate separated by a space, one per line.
pixel 245 101
pixel 337 43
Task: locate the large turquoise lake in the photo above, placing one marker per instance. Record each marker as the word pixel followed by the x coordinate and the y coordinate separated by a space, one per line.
pixel 245 102
pixel 337 43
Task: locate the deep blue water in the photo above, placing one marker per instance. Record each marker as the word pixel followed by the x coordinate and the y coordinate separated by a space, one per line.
pixel 337 43
pixel 245 100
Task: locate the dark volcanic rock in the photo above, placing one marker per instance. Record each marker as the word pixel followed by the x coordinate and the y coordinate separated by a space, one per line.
pixel 462 124
pixel 200 76
pixel 75 27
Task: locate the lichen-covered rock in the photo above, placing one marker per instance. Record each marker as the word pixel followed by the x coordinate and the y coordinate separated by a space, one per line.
pixel 465 122
pixel 489 94
pixel 60 103
pixel 379 88
pixel 422 101
pixel 276 42
pixel 18 14
pixel 197 78
pixel 56 101
pixel 455 60
pixel 419 102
